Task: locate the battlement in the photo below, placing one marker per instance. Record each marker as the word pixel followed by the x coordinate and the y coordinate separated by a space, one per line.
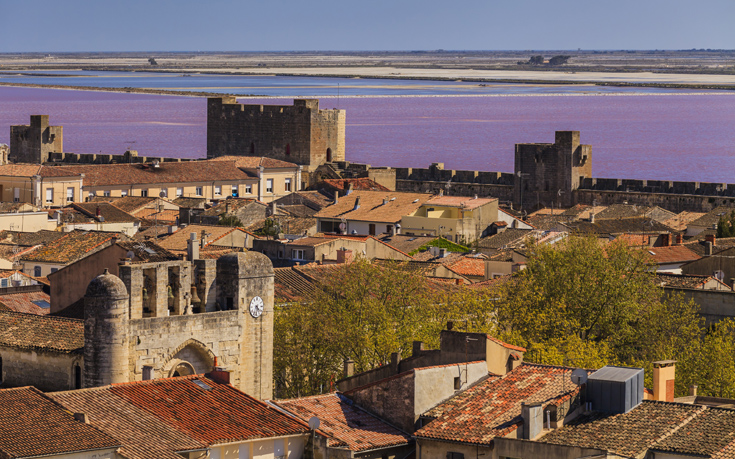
pixel 129 157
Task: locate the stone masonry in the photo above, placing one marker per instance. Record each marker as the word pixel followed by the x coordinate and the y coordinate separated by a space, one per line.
pixel 300 133
pixel 35 142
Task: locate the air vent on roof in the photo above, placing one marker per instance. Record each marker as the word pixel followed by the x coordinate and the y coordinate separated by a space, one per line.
pixel 202 384
pixel 416 200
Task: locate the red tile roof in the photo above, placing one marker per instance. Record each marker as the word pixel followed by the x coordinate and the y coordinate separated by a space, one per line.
pixel 252 162
pixel 218 413
pixel 32 331
pixel 493 408
pixel 506 345
pixel 141 433
pixel 345 423
pixel 464 202
pixel 73 246
pixel 712 432
pixel 469 266
pixel 672 254
pixel 362 183
pixel 629 434
pixel 375 206
pixel 26 302
pixel 33 425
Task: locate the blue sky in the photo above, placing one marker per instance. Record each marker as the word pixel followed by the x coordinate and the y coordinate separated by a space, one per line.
pixel 283 25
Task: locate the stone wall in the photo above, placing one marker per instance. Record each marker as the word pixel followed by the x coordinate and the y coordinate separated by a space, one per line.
pixel 300 133
pixel 391 399
pixel 714 305
pixel 33 143
pixel 47 371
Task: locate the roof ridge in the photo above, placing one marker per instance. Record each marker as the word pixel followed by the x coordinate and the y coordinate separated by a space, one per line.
pixel 42 317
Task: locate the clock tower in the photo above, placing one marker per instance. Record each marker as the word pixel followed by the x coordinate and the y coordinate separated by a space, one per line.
pixel 245 287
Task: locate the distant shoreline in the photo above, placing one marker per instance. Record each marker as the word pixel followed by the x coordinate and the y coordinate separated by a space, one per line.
pixel 167 92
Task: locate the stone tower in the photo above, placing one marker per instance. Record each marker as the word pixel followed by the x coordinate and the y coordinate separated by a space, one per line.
pixel 33 143
pixel 245 283
pixel 301 133
pixel 546 174
pixel 106 331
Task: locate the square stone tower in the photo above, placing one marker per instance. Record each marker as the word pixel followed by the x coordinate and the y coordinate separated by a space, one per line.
pixel 300 133
pixel 546 174
pixel 33 143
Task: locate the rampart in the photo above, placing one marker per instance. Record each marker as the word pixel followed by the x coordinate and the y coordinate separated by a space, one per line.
pixel 455 182
pixel 129 157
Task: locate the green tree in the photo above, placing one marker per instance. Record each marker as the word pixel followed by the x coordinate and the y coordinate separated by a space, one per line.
pixel 726 225
pixel 559 60
pixel 229 220
pixel 271 228
pixel 536 60
pixel 711 362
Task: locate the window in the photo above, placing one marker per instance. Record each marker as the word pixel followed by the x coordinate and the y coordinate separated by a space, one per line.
pixel 70 194
pixel 37 271
pixel 371 229
pixel 389 229
pixel 269 185
pixel 297 254
pixel 16 194
pixel 453 455
pixel 107 193
pixel 287 186
pixel 248 189
pixel 457 383
pixel 329 155
pixel 288 149
pixel 235 191
pixel 124 193
pixel 199 191
pixel 280 255
pixel 4 283
pixel 144 193
pixel 49 195
pixel 53 270
pixel 77 376
pixel 218 190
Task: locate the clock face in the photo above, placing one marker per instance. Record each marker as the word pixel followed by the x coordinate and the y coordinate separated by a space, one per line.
pixel 256 306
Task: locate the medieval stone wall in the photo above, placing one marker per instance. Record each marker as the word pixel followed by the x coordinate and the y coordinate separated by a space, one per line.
pixel 300 133
pixel 47 371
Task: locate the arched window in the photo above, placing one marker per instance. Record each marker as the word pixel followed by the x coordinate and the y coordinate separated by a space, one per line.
pixel 329 155
pixel 288 149
pixel 77 376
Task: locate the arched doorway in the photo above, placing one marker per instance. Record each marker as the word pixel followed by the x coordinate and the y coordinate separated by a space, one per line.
pixel 329 155
pixel 181 368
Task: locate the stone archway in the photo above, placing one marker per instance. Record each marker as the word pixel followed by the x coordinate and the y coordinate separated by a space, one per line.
pixel 191 357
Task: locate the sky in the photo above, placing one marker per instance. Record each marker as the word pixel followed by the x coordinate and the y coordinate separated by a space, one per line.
pixel 350 25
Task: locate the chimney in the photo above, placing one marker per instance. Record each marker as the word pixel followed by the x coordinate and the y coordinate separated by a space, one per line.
pixel 693 390
pixel 349 367
pixel 97 212
pixel 219 375
pixel 344 256
pixel 533 420
pixel 357 203
pixel 443 253
pixel 441 192
pixel 417 349
pixel 385 201
pixel 707 248
pixel 395 360
pixel 274 208
pixel 679 239
pixel 711 238
pixel 336 197
pixel 664 377
pixel 349 188
pixel 82 417
pixel 592 217
pixel 227 207
pixel 193 247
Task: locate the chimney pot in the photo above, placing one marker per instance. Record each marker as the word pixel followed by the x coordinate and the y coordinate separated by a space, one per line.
pixel 418 346
pixel 349 367
pixel 708 248
pixel 693 390
pixel 664 378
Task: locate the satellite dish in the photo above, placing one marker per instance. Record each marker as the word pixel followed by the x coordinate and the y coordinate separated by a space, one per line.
pixel 342 226
pixel 130 254
pixel 314 423
pixel 162 194
pixel 579 376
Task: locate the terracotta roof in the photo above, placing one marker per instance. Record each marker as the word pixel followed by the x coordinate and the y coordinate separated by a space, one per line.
pixel 493 408
pixel 405 243
pixel 141 433
pixel 372 208
pixel 209 412
pixel 629 434
pixel 109 212
pixel 73 246
pixel 680 221
pixel 464 202
pixel 362 183
pixel 253 162
pixel 232 204
pixel 345 423
pixel 712 217
pixel 314 199
pixel 33 425
pixel 161 217
pixel 506 345
pixel 509 237
pixel 129 204
pixel 187 203
pixel 712 431
pixel 29 239
pixel 291 284
pixel 698 246
pixel 27 302
pixel 33 331
pixel 147 251
pixel 469 266
pixel 20 170
pixel 619 226
pixel 671 254
pixel 179 240
pixel 687 281
pixel 140 174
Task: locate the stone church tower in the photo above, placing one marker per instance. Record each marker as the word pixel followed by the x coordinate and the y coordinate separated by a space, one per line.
pixel 144 325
